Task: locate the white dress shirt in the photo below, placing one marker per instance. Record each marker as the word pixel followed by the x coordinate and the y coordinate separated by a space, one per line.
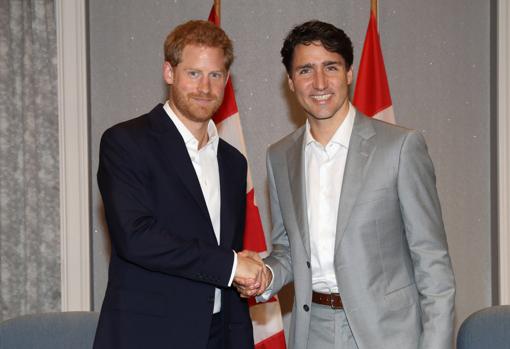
pixel 205 163
pixel 324 173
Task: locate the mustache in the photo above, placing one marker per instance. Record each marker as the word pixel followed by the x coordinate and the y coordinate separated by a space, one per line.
pixel 203 95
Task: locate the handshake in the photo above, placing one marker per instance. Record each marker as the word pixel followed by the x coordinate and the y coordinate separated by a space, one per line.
pixel 252 276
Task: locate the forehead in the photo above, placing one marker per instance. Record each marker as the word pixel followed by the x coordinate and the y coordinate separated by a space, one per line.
pixel 314 53
pixel 203 56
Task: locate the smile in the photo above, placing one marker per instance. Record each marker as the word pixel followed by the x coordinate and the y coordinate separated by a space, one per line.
pixel 322 97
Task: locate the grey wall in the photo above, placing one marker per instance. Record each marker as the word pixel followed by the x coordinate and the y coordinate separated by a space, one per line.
pixel 437 56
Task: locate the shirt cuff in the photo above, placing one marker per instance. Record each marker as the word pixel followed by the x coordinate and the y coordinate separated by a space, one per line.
pixel 269 290
pixel 234 267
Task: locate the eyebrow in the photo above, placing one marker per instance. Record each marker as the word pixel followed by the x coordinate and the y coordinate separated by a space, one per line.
pixel 222 71
pixel 328 63
pixel 324 64
pixel 306 65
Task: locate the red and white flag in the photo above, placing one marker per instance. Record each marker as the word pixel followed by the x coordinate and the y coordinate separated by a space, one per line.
pixel 372 93
pixel 266 317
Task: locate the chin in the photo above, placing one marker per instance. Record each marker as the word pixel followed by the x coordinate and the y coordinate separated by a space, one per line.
pixel 202 115
pixel 321 116
pixel 201 118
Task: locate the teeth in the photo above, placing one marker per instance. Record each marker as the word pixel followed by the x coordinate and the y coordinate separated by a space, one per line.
pixel 322 97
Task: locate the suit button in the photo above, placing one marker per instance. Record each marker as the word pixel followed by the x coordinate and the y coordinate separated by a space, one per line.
pixel 306 307
pixel 308 264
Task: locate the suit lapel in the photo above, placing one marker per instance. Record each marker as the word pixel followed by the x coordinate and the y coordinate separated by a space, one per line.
pixel 296 172
pixel 226 221
pixel 171 144
pixel 358 159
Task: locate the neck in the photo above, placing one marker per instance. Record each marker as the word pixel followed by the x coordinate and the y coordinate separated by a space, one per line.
pixel 323 130
pixel 201 135
pixel 197 128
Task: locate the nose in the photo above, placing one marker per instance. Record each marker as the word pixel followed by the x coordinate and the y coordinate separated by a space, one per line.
pixel 204 85
pixel 320 81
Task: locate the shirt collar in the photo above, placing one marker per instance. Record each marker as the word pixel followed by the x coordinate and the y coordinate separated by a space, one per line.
pixel 343 133
pixel 186 134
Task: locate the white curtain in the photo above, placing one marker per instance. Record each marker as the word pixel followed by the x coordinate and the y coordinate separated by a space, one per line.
pixel 29 159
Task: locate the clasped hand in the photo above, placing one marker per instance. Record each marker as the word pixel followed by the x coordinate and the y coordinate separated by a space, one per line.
pixel 252 276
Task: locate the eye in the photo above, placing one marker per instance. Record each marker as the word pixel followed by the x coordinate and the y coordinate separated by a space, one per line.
pixel 303 71
pixel 217 75
pixel 193 74
pixel 331 68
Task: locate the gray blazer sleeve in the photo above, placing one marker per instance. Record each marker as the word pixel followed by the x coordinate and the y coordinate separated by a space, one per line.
pixel 426 238
pixel 280 259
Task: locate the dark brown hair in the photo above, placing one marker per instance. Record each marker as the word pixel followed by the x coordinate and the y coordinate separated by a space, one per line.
pixel 332 38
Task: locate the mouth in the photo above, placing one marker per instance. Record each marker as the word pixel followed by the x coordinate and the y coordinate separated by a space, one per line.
pixel 203 100
pixel 321 98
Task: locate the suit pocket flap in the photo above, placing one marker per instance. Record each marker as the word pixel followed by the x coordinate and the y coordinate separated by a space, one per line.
pixel 402 297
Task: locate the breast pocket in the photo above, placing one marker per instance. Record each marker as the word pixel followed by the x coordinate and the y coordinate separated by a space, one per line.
pixel 376 195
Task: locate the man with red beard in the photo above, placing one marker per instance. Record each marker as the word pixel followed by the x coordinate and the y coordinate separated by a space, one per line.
pixel 174 198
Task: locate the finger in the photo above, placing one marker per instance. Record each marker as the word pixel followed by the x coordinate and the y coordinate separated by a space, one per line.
pixel 256 271
pixel 267 278
pixel 249 293
pixel 245 296
pixel 259 278
pixel 253 287
pixel 241 288
pixel 247 283
pixel 263 284
pixel 244 281
pixel 245 293
pixel 269 274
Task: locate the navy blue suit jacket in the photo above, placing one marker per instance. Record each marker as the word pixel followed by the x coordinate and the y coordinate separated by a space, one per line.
pixel 165 260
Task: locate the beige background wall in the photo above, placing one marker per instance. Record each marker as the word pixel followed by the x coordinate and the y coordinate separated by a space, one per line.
pixel 437 55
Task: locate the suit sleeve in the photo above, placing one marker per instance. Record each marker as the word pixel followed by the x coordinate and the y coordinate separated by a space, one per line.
pixel 280 259
pixel 135 232
pixel 421 212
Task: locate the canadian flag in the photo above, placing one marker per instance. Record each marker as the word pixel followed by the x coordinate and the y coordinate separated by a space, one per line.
pixel 372 93
pixel 266 317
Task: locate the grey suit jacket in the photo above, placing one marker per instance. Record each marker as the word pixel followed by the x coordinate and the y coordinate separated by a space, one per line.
pixel 391 257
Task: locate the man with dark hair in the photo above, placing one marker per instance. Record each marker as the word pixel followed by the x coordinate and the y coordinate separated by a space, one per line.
pixel 357 224
pixel 174 197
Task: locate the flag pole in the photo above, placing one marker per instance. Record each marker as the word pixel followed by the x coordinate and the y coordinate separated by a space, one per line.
pixel 373 8
pixel 217 9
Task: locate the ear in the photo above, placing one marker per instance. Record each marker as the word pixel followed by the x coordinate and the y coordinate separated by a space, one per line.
pixel 227 77
pixel 168 73
pixel 291 83
pixel 349 76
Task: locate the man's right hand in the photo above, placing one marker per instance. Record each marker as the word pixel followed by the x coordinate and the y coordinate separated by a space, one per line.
pixel 249 271
pixel 252 276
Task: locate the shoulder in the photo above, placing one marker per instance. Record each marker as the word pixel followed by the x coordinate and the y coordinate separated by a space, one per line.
pixel 133 128
pixel 403 144
pixel 127 128
pixel 383 128
pixel 231 152
pixel 385 133
pixel 281 147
